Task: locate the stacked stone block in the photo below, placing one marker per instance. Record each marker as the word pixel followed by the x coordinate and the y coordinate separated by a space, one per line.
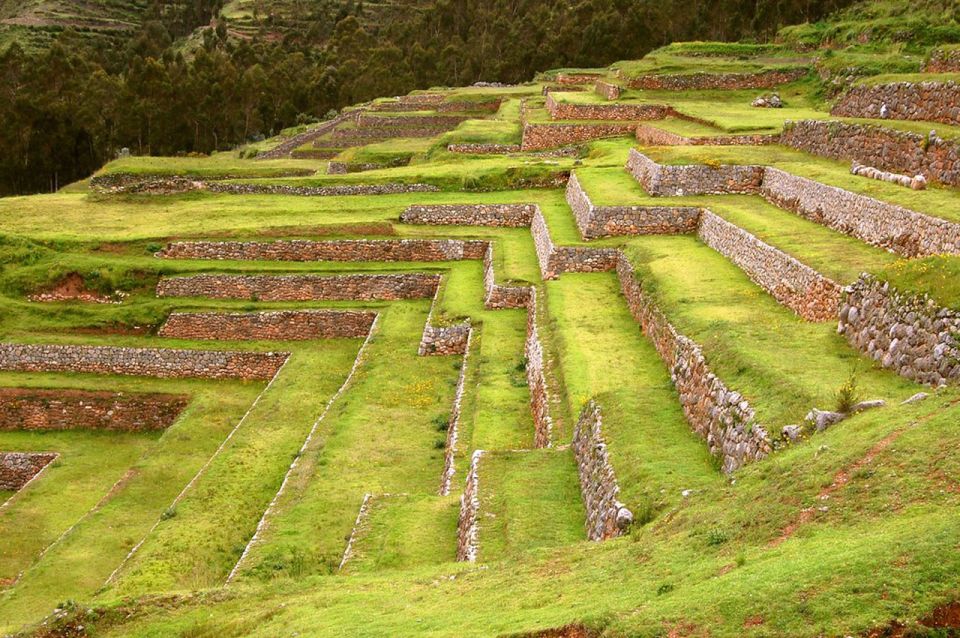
pixel 19 468
pixel 622 112
pixel 330 250
pixel 653 136
pixel 64 409
pixel 499 215
pixel 693 179
pixel 927 101
pixel 468 524
pixel 537 137
pixel 389 287
pixel 706 81
pixel 282 325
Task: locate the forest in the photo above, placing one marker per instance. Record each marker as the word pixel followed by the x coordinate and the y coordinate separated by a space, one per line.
pixel 183 83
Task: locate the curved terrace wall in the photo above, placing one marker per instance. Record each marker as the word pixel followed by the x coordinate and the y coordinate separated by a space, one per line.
pixel 928 101
pixel 907 333
pixel 66 409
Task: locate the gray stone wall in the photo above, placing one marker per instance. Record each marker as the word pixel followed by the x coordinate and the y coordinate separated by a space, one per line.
pixel 282 325
pixel 907 333
pixel 792 283
pixel 943 60
pixel 702 81
pixel 19 468
pixel 889 226
pixel 498 296
pixel 451 448
pixel 537 377
pixel 143 362
pixel 927 101
pixel 389 287
pixel 607 517
pixel 67 409
pixel 468 524
pixel 721 416
pixel 935 158
pixel 693 179
pixel 443 339
pixel 605 221
pixel 312 250
pixel 499 215
pixel 607 90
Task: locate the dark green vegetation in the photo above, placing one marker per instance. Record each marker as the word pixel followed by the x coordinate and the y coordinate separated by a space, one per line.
pixel 310 505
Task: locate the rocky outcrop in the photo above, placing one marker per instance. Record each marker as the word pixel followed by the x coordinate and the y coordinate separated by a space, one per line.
pixel 468 524
pixel 607 517
pixel 927 101
pixel 329 250
pixel 935 158
pixel 538 136
pixel 693 179
pixel 281 325
pixel 143 362
pixel 19 468
pixel 904 332
pixel 889 226
pixel 605 221
pixel 792 283
pixel 66 409
pixel 390 287
pixel 721 416
pixel 499 215
pixel 729 81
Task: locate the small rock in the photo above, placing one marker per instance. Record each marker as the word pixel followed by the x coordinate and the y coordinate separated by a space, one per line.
pixel 919 396
pixel 822 419
pixel 791 432
pixel 867 405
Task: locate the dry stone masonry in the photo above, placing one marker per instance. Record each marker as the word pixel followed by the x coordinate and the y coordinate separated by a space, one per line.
pixel 721 416
pixel 607 517
pixel 453 425
pixel 792 283
pixel 443 339
pixel 653 136
pixel 284 149
pixel 928 101
pixel 537 136
pixel 499 215
pixel 484 149
pixel 390 287
pixel 943 60
pixel 706 81
pixel 908 333
pixel 693 179
pixel 625 112
pixel 19 468
pixel 331 250
pixel 497 296
pixel 607 90
pixel 537 378
pixel 282 325
pixel 65 409
pixel 143 362
pixel 892 150
pixel 468 524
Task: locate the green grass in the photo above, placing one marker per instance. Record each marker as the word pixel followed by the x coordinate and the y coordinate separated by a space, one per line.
pixel 937 276
pixel 528 500
pixel 782 364
pixel 216 166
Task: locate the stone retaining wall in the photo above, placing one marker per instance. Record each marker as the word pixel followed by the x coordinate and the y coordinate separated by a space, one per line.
pixel 281 325
pixel 484 149
pixel 339 190
pixel 491 106
pixel 500 215
pixel 892 150
pixel 453 424
pixel 607 517
pixel 927 101
pixel 577 78
pixel 719 415
pixel 468 524
pixel 498 296
pixel 346 138
pixel 443 339
pixel 907 333
pixel 427 250
pixel 538 137
pixel 607 91
pixel 19 468
pixel 943 61
pixel 65 409
pixel 653 136
pixel 389 287
pixel 708 81
pixel 285 148
pixel 628 112
pixel 143 362
pixel 693 179
pixel 537 378
pixel 889 226
pixel 605 221
pixel 792 283
pixel 448 122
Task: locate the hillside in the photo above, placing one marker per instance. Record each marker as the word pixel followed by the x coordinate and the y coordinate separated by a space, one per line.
pixel 668 346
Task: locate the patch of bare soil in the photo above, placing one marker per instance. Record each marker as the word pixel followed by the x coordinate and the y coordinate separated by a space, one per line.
pixel 72 288
pixel 945 617
pixel 568 631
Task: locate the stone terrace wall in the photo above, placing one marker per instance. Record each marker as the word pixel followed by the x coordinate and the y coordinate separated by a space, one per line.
pixel 607 517
pixel 65 409
pixel 500 215
pixel 891 150
pixel 362 136
pixel 889 226
pixel 411 121
pixel 143 362
pixel 719 415
pixel 389 287
pixel 310 250
pixel 18 468
pixel 468 524
pixel 491 106
pixel 929 101
pixel 694 81
pixel 653 136
pixel 484 149
pixel 443 339
pixel 577 78
pixel 538 137
pixel 694 179
pixel 907 333
pixel 497 296
pixel 281 325
pixel 339 190
pixel 604 221
pixel 628 112
pixel 453 424
pixel 537 378
pixel 792 283
pixel 607 91
pixel 943 61
pixel 285 148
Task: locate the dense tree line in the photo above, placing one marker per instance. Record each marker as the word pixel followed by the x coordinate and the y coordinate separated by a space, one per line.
pixel 66 110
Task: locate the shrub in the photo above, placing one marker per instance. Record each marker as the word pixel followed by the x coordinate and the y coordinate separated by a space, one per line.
pixel 716 536
pixel 848 394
